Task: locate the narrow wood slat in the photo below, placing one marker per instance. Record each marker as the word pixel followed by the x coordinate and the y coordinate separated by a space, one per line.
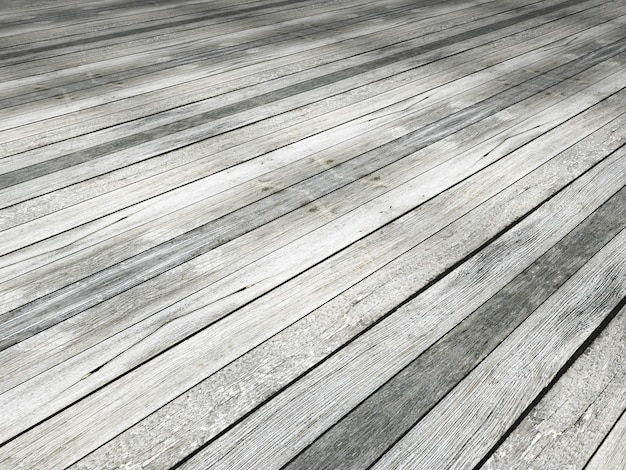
pixel 269 230
pixel 171 46
pixel 207 48
pixel 249 277
pixel 40 27
pixel 342 78
pixel 16 55
pixel 568 425
pixel 300 54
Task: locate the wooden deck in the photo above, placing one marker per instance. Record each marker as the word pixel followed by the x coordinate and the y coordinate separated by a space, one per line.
pixel 336 234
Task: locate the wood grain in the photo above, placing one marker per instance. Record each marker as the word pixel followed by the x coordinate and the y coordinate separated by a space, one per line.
pixel 274 433
pixel 568 425
pixel 612 453
pixel 362 436
pixel 245 234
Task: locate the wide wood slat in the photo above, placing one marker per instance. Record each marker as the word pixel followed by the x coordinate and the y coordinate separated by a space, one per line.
pixel 569 424
pixel 337 234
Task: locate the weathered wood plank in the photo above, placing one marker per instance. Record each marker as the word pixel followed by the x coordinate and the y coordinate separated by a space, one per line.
pixel 181 65
pixel 54 23
pixel 138 311
pixel 16 54
pixel 568 425
pixel 283 29
pixel 179 428
pixel 257 258
pixel 612 453
pixel 461 429
pixel 40 354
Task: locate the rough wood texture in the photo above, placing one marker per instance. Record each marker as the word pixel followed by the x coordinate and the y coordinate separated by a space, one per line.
pixel 566 427
pixel 294 418
pixel 378 422
pixel 245 233
pixel 612 453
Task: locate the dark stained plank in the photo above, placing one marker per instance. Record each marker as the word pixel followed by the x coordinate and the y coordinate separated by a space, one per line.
pixel 362 436
pixel 571 421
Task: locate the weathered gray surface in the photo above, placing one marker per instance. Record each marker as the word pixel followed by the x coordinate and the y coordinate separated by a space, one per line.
pixel 568 425
pixel 377 423
pixel 233 230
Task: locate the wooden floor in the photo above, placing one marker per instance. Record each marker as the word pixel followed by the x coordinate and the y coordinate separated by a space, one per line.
pixel 335 234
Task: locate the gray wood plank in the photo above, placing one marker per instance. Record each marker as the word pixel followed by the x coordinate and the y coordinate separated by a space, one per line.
pixel 463 427
pixel 362 436
pixel 105 243
pixel 319 24
pixel 15 55
pixel 242 284
pixel 114 358
pixel 293 58
pixel 164 331
pixel 570 422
